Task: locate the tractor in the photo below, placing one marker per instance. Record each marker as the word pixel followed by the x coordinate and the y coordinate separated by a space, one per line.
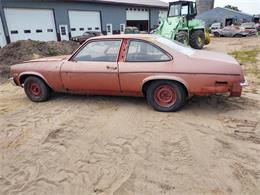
pixel 181 25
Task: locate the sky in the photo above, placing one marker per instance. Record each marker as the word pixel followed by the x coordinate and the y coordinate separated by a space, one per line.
pixel 247 6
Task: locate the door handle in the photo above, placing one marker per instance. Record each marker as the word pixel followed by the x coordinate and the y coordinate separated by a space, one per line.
pixel 111 68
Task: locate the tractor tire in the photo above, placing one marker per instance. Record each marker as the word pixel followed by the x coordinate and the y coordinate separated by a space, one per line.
pixel 197 39
pixel 182 37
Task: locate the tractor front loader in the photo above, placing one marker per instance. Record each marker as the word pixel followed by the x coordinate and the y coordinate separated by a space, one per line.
pixel 181 26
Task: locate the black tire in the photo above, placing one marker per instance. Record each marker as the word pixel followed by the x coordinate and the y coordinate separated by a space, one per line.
pixel 216 34
pixel 158 86
pixel 197 39
pixel 238 35
pixel 36 89
pixel 182 37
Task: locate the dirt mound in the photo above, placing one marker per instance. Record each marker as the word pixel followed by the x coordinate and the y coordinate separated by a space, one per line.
pixel 26 50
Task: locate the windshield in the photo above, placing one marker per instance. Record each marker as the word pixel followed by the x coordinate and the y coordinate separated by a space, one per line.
pixel 176 46
pixel 179 10
pixel 175 10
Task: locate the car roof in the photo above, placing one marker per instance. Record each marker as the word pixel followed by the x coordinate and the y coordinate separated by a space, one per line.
pixel 126 36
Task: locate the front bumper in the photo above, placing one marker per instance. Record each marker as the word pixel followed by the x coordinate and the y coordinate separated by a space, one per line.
pixel 12 81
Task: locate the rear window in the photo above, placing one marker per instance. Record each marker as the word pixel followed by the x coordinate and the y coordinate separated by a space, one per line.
pixel 176 45
pixel 140 51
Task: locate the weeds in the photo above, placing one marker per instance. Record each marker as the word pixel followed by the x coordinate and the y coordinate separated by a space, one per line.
pixel 246 56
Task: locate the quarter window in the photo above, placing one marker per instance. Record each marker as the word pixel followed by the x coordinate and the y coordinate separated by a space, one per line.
pixel 140 51
pixel 99 51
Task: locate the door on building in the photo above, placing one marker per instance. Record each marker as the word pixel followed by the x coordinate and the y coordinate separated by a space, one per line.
pixel 162 15
pixel 109 29
pixel 122 28
pixel 34 24
pixel 64 35
pixel 82 21
pixel 138 17
pixel 2 35
pixel 229 21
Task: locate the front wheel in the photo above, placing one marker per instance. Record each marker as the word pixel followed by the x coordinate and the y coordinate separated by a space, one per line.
pixel 36 90
pixel 166 96
pixel 182 37
pixel 197 39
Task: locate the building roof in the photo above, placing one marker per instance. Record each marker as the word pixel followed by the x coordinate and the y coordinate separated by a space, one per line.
pixel 231 10
pixel 149 3
pixel 221 10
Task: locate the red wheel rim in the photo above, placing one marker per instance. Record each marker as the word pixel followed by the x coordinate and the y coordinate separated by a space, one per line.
pixel 165 96
pixel 34 89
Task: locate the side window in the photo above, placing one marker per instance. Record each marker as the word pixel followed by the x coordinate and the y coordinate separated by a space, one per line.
pixel 140 51
pixel 99 51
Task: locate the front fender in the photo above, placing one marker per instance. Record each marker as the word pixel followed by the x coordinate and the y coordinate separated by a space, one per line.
pixel 33 74
pixel 166 77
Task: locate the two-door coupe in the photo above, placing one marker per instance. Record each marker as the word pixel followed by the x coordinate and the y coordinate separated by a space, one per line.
pixel 164 72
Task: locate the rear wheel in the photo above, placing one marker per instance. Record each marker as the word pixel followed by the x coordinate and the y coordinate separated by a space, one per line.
pixel 197 39
pixel 165 96
pixel 216 34
pixel 36 90
pixel 238 35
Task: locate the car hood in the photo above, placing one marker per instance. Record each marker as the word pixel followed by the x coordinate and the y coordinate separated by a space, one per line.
pixel 49 59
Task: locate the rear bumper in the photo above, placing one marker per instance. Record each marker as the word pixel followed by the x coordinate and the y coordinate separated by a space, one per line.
pixel 237 89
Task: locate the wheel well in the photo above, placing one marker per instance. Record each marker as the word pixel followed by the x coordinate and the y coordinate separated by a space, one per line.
pixel 148 83
pixel 24 77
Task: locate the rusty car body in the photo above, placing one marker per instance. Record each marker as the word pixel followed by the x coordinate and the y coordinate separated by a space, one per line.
pixel 231 31
pixel 165 72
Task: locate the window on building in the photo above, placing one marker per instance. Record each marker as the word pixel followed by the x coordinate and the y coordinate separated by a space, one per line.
pixel 73 29
pixel 27 31
pixel 49 30
pixel 14 31
pixel 39 31
pixel 81 29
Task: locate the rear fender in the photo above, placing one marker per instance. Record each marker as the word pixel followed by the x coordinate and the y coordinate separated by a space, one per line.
pixel 167 77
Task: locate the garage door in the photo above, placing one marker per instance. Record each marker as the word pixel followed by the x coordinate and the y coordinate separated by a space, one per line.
pixel 138 17
pixel 82 21
pixel 35 24
pixel 2 35
pixel 137 14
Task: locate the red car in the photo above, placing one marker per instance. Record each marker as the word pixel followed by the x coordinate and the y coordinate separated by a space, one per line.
pixel 164 72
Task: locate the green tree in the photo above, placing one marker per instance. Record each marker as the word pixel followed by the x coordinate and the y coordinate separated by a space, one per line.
pixel 232 7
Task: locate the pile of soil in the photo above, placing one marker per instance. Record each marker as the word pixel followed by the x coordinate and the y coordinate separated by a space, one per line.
pixel 20 51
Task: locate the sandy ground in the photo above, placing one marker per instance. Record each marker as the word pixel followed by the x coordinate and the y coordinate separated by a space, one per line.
pixel 120 146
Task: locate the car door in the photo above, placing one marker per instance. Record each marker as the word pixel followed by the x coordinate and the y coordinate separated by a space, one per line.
pixel 227 31
pixel 141 59
pixel 93 68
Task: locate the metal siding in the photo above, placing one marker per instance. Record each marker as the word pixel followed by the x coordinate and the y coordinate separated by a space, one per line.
pixel 220 15
pixel 2 35
pixel 110 13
